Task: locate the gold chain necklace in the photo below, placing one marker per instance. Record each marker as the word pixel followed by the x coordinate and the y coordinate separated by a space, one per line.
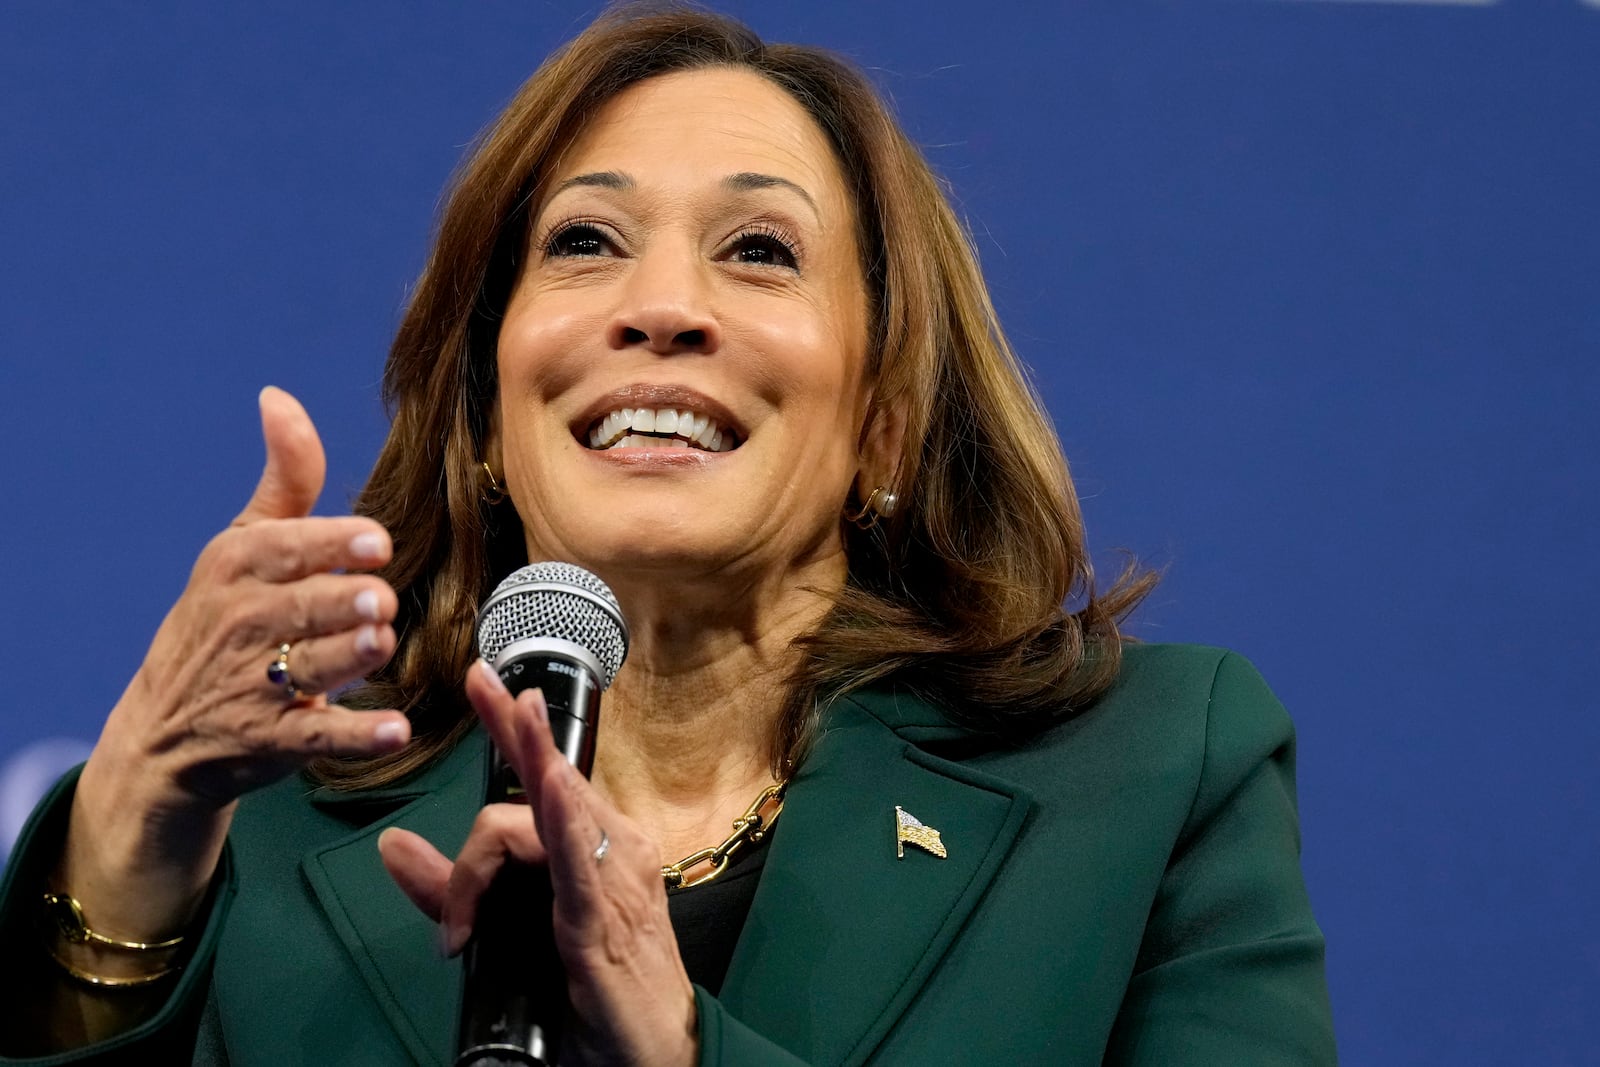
pixel 751 828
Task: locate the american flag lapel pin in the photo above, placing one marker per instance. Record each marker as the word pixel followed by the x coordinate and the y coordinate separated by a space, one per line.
pixel 908 829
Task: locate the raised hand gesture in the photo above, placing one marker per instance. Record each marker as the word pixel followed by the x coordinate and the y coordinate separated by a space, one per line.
pixel 230 695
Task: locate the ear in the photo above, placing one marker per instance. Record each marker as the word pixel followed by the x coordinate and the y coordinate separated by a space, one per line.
pixel 489 452
pixel 489 473
pixel 882 439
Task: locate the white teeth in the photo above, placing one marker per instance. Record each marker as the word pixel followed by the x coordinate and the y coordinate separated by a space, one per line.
pixel 625 427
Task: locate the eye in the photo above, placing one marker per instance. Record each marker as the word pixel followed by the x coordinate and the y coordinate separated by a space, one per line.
pixel 766 247
pixel 577 239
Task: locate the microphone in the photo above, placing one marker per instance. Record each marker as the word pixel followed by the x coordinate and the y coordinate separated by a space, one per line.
pixel 556 627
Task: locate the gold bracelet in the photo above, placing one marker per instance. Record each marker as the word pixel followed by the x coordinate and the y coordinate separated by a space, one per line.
pixel 101 981
pixel 67 914
pixel 64 920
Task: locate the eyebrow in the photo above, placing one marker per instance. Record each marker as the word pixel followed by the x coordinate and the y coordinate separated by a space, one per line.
pixel 743 182
pixel 601 179
pixel 749 181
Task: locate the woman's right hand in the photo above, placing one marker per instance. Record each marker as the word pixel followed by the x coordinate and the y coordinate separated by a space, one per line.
pixel 201 723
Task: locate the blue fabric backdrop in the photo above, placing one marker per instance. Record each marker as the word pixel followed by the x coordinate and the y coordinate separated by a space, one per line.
pixel 1310 288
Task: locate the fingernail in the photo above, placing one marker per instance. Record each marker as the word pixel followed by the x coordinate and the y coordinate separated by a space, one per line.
pixel 367 640
pixel 367 604
pixel 541 710
pixel 367 546
pixel 491 674
pixel 390 734
pixel 452 939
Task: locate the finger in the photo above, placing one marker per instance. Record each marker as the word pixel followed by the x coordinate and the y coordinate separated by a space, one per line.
pixel 500 830
pixel 510 723
pixel 421 871
pixel 497 709
pixel 292 478
pixel 318 729
pixel 282 550
pixel 322 604
pixel 320 664
pixel 527 724
pixel 565 805
pixel 571 834
pixel 563 801
pixel 569 813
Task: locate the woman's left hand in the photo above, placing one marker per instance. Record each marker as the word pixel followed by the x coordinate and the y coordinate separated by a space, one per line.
pixel 631 997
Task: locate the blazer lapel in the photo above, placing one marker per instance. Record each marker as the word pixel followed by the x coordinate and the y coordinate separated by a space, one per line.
pixel 393 946
pixel 841 936
pixel 843 932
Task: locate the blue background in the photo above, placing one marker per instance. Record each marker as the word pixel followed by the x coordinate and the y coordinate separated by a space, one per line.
pixel 1312 291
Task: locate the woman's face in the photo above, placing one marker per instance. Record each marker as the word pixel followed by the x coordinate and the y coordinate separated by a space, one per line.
pixel 681 363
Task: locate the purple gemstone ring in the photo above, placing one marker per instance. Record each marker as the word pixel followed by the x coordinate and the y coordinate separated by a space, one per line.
pixel 278 672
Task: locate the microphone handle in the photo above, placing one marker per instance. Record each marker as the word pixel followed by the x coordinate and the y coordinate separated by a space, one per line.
pixel 514 996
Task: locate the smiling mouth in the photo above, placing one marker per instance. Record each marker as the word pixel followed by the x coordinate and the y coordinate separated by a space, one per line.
pixel 660 428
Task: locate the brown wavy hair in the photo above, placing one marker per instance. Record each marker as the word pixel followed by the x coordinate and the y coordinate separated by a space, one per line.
pixel 961 596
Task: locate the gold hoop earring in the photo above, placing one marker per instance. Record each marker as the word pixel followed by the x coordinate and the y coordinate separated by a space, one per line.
pixel 493 494
pixel 880 505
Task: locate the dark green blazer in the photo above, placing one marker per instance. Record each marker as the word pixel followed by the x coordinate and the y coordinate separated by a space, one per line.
pixel 1124 888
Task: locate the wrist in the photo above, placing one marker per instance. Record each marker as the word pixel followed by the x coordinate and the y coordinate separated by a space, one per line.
pixel 137 864
pixel 99 959
pixel 690 1053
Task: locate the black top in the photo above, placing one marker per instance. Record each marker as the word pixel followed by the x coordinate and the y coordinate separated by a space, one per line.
pixel 709 918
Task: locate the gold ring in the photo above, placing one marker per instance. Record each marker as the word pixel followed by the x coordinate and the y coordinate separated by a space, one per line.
pixel 278 673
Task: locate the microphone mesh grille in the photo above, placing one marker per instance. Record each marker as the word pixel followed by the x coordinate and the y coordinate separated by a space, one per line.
pixel 593 621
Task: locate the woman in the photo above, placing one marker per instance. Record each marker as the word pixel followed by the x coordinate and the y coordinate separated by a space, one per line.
pixel 699 320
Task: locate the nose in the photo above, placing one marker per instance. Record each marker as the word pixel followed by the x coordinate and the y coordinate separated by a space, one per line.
pixel 666 306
